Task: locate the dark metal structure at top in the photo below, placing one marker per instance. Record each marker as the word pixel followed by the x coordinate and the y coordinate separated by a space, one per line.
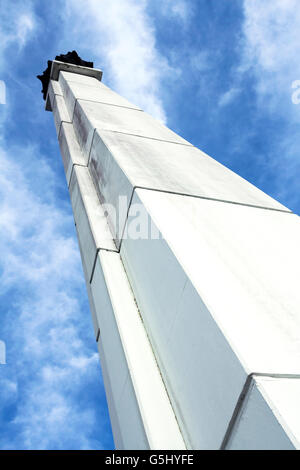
pixel 69 58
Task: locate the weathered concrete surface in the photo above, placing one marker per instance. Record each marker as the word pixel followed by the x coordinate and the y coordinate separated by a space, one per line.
pixel 269 417
pixel 214 301
pixel 89 116
pixel 69 149
pixel 60 112
pixel 139 399
pixel 90 219
pixel 58 67
pixel 63 62
pixel 94 91
pixel 121 162
pixel 53 89
pixel 90 297
pixel 197 303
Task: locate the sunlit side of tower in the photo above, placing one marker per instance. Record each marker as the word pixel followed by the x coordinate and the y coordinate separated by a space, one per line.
pixel 192 275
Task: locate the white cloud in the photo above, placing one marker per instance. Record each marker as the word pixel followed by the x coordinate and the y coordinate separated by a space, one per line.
pixel 39 257
pixel 50 363
pixel 52 417
pixel 17 24
pixel 271 32
pixel 40 265
pixel 25 25
pixel 200 61
pixel 180 9
pixel 228 96
pixel 121 36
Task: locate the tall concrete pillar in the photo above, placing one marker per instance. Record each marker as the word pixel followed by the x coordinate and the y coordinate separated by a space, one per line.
pixel 192 275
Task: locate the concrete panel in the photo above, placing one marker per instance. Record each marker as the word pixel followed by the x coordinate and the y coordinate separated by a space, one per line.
pixel 53 89
pixel 90 297
pixel 120 162
pixel 75 70
pixel 211 377
pixel 126 421
pixel 79 78
pixel 115 424
pixel 214 288
pixel 126 345
pixel 69 149
pixel 194 357
pixel 98 93
pixel 93 312
pixel 117 368
pixel 108 389
pixel 237 313
pixel 91 223
pixel 89 116
pixel 270 416
pixel 60 112
pixel 132 431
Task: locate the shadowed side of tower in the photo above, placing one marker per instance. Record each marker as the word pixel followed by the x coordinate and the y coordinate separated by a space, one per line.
pixel 192 275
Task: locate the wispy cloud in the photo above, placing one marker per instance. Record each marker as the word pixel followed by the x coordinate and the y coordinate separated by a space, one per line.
pixel 50 361
pixel 52 364
pixel 40 268
pixel 17 24
pixel 25 25
pixel 228 96
pixel 200 61
pixel 121 36
pixel 179 9
pixel 271 33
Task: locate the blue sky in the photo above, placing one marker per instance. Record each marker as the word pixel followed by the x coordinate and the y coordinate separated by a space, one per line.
pixel 218 73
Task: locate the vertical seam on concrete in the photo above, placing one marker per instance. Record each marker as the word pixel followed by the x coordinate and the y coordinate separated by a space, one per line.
pixel 126 219
pixel 91 146
pixel 58 136
pixel 60 125
pixel 153 354
pixel 95 259
pixel 237 411
pixel 72 170
pixel 98 335
pixel 243 396
pixel 94 265
pixel 73 113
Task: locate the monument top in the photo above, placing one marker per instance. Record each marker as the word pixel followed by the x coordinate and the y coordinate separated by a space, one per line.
pixel 70 62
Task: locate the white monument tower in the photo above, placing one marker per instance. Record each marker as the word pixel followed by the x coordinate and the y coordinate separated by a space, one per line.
pixel 193 277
